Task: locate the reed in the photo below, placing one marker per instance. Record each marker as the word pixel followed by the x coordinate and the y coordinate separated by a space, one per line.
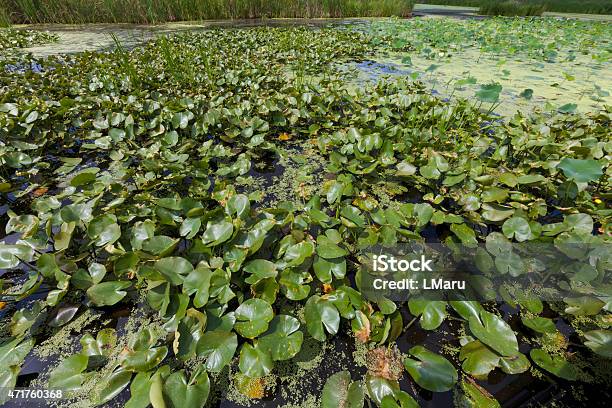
pixel 156 11
pixel 5 19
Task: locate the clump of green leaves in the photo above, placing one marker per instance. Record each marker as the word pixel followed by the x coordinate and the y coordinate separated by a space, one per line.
pixel 12 38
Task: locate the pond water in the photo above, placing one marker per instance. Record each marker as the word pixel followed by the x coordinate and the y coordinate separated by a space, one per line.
pixel 98 37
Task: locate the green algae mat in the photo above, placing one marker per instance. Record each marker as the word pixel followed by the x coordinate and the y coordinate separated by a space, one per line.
pixel 190 222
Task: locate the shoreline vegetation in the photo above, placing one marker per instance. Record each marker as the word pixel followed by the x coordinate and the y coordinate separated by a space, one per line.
pixel 148 11
pixel 530 7
pixel 511 8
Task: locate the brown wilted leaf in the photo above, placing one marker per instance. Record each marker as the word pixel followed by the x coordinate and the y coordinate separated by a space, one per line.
pixel 40 191
pixel 385 362
pixel 363 334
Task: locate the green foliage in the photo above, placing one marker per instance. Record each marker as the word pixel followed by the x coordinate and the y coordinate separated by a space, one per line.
pixel 12 38
pixel 564 6
pixel 511 8
pixel 145 11
pixel 340 391
pixel 131 178
pixel 430 370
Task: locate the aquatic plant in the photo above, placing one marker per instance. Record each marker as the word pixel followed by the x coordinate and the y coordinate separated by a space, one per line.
pixel 125 178
pixel 558 58
pixel 10 38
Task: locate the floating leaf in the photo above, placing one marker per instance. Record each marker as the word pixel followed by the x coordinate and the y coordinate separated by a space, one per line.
pixel 108 293
pixel 432 312
pixel 583 171
pixel 253 317
pixel 321 316
pixel 68 375
pixel 254 361
pixel 430 371
pixel 182 393
pixel 478 359
pixel 489 93
pixel 340 392
pixel 283 339
pixel 600 341
pixel 556 365
pixel 217 232
pixel 494 332
pixel 218 348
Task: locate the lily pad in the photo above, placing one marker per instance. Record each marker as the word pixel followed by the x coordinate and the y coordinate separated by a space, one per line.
pixel 556 365
pixel 494 332
pixel 340 391
pixel 253 317
pixel 430 370
pixel 254 361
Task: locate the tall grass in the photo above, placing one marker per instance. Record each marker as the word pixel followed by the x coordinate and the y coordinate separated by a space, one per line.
pixel 155 11
pixel 561 6
pixel 511 8
pixel 5 19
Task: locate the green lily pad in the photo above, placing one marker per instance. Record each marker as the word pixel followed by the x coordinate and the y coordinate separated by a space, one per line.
pixel 517 228
pixel 217 232
pixel 254 361
pixel 340 391
pixel 69 374
pixel 101 344
pixel 378 388
pixel 494 332
pixel 556 365
pixel 328 249
pixel 474 396
pixel 478 359
pixel 113 385
pixel 174 269
pixel 514 364
pixel 252 317
pixel 321 316
pixel 260 269
pixel 489 93
pixel 183 393
pixel 432 312
pixel 539 324
pixel 583 171
pixel 283 339
pixel 430 370
pixel 326 269
pixel 218 348
pixel 108 293
pixel 600 341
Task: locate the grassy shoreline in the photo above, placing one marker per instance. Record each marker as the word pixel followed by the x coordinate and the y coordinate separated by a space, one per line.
pixel 560 6
pixel 148 11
